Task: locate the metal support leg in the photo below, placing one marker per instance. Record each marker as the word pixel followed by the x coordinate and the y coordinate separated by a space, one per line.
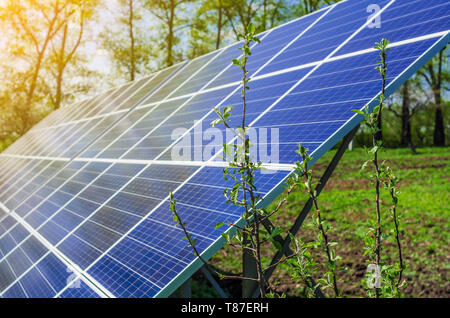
pixel 185 290
pixel 249 270
pixel 213 282
pixel 307 207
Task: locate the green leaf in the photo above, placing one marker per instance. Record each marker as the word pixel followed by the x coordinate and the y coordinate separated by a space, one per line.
pixel 219 225
pixel 358 111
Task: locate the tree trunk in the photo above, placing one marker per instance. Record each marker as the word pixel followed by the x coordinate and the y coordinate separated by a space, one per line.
pixel 169 60
pixel 219 25
pixel 439 130
pixel 379 134
pixel 132 48
pixel 406 138
pixel 30 94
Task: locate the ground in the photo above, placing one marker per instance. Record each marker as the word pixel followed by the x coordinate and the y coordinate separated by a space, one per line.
pixel 347 203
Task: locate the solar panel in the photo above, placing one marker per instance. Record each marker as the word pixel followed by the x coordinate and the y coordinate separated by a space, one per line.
pixel 85 208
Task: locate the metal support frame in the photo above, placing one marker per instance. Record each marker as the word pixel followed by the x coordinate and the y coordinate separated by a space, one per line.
pixel 185 290
pixel 213 282
pixel 285 242
pixel 249 269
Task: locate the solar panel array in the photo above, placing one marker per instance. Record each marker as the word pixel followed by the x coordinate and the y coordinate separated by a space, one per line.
pixel 84 194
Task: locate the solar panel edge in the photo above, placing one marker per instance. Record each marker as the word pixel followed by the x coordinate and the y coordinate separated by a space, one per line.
pixel 278 190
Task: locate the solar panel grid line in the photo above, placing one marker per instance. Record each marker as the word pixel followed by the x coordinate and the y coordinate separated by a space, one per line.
pixel 86 107
pixel 270 166
pixel 351 123
pixel 188 131
pixel 262 123
pixel 354 121
pixel 82 136
pixel 126 91
pixel 18 278
pixel 68 203
pixel 72 109
pixel 434 6
pixel 254 77
pixel 167 97
pixel 6 185
pixel 32 147
pixel 150 78
pixel 135 225
pixel 87 145
pixel 156 105
pixel 307 75
pixel 12 166
pixel 48 167
pixel 35 267
pixel 53 116
pixel 347 55
pixel 84 276
pixel 65 159
pixel 118 111
pixel 196 261
pixel 50 138
pixel 103 101
pixel 16 172
pixel 24 273
pixel 390 88
pixel 12 271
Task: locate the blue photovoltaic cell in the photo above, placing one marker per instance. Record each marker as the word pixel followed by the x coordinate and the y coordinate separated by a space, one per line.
pixel 139 130
pixel 210 71
pixel 156 242
pixel 269 46
pixel 319 41
pixel 264 94
pixel 344 85
pixel 178 79
pixel 155 143
pixel 78 289
pixel 404 20
pixel 36 286
pixel 113 219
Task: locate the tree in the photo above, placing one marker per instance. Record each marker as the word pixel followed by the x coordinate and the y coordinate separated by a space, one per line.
pixel 64 47
pixel 34 24
pixel 167 11
pixel 308 6
pixel 127 43
pixel 209 19
pixel 240 13
pixel 437 79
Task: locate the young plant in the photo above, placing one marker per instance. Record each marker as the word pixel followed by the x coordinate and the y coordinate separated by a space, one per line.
pixel 322 241
pixel 382 175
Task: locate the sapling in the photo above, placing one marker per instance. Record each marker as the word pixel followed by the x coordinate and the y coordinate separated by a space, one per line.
pixel 322 241
pixel 382 175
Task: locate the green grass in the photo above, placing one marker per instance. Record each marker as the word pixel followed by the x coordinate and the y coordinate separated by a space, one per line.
pixel 347 202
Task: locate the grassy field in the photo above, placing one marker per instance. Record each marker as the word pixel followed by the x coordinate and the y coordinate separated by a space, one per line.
pixel 347 202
